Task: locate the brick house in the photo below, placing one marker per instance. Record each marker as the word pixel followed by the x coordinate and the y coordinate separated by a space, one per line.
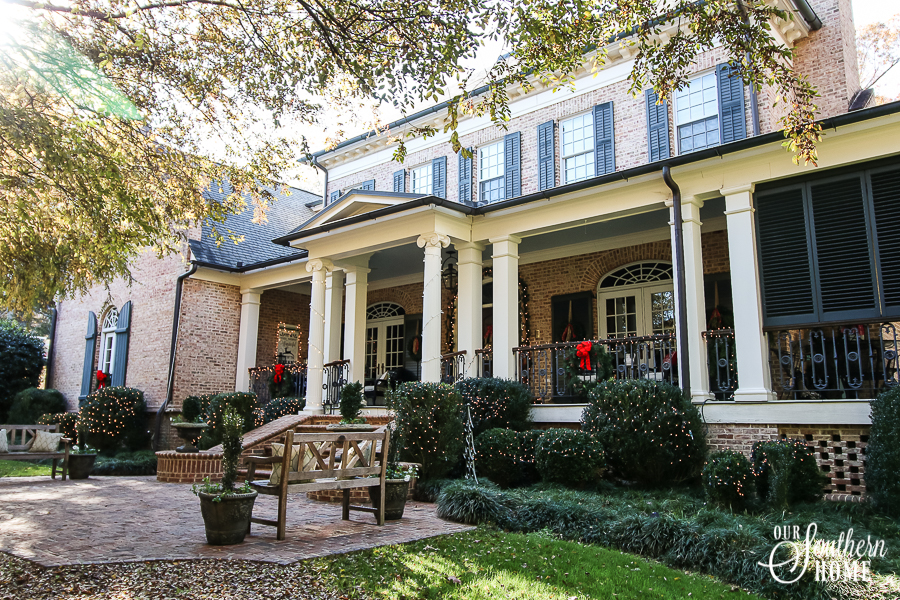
pixel 557 229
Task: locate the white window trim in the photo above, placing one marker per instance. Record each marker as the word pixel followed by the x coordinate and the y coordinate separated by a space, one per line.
pixel 563 156
pixel 478 180
pixel 412 178
pixel 108 334
pixel 678 124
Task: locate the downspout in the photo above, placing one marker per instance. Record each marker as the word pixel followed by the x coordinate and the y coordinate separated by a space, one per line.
pixel 52 346
pixel 315 163
pixel 170 386
pixel 754 99
pixel 681 285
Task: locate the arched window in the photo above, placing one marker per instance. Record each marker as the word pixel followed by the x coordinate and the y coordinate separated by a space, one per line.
pixel 638 273
pixel 383 310
pixel 108 340
pixel 637 300
pixel 384 338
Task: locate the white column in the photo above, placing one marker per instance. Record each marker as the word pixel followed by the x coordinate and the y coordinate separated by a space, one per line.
pixel 468 313
pixel 696 301
pixel 334 308
pixel 431 305
pixel 319 267
pixel 247 336
pixel 754 380
pixel 356 286
pixel 506 304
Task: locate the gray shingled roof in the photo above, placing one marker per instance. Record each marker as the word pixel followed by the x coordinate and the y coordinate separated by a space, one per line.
pixel 285 213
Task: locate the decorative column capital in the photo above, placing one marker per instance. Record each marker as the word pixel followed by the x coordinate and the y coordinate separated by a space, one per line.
pixel 319 264
pixel 433 240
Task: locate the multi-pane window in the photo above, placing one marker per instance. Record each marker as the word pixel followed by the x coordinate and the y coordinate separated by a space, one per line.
pixel 490 173
pixel 578 148
pixel 423 179
pixel 108 340
pixel 697 114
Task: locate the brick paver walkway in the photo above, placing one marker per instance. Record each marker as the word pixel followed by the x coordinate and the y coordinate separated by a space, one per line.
pixel 122 519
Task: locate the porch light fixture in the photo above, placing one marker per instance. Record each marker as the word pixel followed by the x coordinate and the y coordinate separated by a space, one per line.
pixel 449 274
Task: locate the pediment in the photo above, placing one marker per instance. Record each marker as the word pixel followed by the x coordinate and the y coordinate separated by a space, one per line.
pixel 354 203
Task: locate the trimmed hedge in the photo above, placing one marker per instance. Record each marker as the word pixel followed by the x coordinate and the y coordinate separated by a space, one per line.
pixel 21 363
pixel 527 447
pixel 429 426
pixel 142 462
pixel 280 407
pixel 787 473
pixel 498 456
pixel 651 432
pixel 244 404
pixel 728 479
pixel 115 416
pixel 67 421
pixel 573 458
pixel 497 403
pixel 31 403
pixel 883 453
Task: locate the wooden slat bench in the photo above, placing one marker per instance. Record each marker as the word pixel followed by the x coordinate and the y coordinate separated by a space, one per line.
pixel 24 434
pixel 358 454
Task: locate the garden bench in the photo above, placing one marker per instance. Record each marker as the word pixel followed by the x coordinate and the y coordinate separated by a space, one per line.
pixel 24 434
pixel 328 461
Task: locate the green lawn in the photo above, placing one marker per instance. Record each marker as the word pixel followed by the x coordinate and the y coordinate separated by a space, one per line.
pixel 22 468
pixel 485 563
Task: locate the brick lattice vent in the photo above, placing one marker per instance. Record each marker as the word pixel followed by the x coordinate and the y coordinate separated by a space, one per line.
pixel 841 454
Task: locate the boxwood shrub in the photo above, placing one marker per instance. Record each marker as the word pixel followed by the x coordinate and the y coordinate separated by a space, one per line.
pixel 527 447
pixel 728 479
pixel 883 453
pixel 21 362
pixel 573 458
pixel 243 403
pixel 497 403
pixel 429 424
pixel 31 403
pixel 67 422
pixel 786 473
pixel 652 433
pixel 280 407
pixel 498 456
pixel 115 416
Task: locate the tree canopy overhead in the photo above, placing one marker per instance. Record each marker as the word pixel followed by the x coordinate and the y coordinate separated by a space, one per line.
pixel 115 115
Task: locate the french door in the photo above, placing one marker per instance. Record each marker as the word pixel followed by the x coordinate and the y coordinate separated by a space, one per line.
pixel 384 345
pixel 637 311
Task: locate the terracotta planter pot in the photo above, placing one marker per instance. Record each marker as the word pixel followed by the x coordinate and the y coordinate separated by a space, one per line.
pixel 395 491
pixel 81 465
pixel 226 521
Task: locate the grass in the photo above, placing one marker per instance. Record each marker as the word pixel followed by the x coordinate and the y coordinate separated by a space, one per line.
pixel 22 468
pixel 487 563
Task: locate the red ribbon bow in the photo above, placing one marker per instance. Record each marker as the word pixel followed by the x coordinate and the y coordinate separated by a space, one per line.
pixel 583 351
pixel 279 371
pixel 101 379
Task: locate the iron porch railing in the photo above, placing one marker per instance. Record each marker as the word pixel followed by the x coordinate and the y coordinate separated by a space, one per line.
pixel 453 367
pixel 259 381
pixel 334 378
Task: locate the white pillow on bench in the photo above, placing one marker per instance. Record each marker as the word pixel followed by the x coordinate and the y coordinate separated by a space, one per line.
pixel 278 450
pixel 4 442
pixel 44 441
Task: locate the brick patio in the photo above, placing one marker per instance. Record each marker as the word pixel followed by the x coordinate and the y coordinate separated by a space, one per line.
pixel 124 519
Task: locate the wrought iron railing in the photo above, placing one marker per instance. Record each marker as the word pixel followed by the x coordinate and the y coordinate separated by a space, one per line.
pixel 484 362
pixel 453 367
pixel 721 360
pixel 260 376
pixel 555 372
pixel 834 361
pixel 333 379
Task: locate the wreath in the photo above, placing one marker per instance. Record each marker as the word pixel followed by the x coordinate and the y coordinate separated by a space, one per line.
pixel 281 382
pixel 414 347
pixel 586 358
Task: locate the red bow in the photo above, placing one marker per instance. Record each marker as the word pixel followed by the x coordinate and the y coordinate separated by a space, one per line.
pixel 583 351
pixel 101 379
pixel 279 371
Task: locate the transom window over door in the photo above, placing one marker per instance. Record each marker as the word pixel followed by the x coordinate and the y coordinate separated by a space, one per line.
pixel 108 341
pixel 637 300
pixel 384 338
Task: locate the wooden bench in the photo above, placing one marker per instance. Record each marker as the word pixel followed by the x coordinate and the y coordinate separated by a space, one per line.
pixel 328 461
pixel 24 434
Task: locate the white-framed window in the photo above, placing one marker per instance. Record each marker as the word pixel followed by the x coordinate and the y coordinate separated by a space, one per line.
pixel 578 148
pixel 423 179
pixel 108 340
pixel 491 183
pixel 697 114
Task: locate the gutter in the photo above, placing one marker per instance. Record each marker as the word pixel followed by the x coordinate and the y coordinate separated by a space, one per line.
pixel 809 15
pixel 680 284
pixel 170 386
pixel 315 163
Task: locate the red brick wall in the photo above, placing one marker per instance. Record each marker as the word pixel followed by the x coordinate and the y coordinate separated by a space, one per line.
pixel 407 296
pixel 278 306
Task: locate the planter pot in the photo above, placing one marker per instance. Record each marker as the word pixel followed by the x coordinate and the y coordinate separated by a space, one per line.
pixel 395 491
pixel 226 521
pixel 81 465
pixel 353 427
pixel 190 433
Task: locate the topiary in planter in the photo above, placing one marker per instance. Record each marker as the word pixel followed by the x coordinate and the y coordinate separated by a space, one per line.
pixel 527 447
pixel 573 458
pixel 21 362
pixel 190 409
pixel 652 432
pixel 786 473
pixel 30 404
pixel 498 456
pixel 497 403
pixel 113 417
pixel 883 453
pixel 728 479
pixel 67 421
pixel 351 402
pixel 280 407
pixel 429 426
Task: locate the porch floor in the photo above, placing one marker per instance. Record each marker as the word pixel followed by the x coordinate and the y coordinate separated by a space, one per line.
pixel 126 519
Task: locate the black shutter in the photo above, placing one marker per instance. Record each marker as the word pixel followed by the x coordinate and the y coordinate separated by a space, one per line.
pixel 657 127
pixel 886 202
pixel 90 347
pixel 400 181
pixel 604 139
pixel 334 195
pixel 367 185
pixel 731 105
pixel 842 250
pixel 120 362
pixel 439 177
pixel 465 177
pixel 784 257
pixel 546 156
pixel 512 157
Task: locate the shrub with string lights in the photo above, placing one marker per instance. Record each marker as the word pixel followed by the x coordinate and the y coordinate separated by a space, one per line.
pixel 244 404
pixel 728 479
pixel 572 458
pixel 786 473
pixel 497 403
pixel 67 421
pixel 498 456
pixel 651 431
pixel 281 407
pixel 115 416
pixel 883 453
pixel 527 448
pixel 429 426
